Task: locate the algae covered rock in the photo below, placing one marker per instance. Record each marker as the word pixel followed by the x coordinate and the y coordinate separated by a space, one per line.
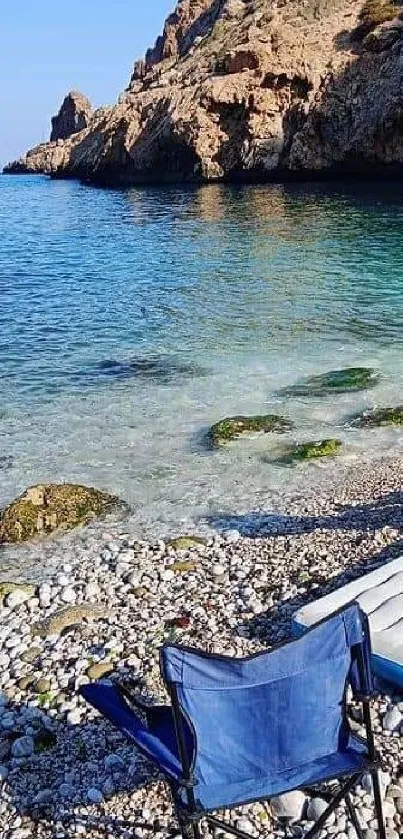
pixel 232 427
pixel 379 417
pixel 185 543
pixel 348 380
pixel 44 509
pixel 312 450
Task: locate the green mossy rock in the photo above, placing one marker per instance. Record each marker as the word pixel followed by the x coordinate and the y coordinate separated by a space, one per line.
pixel 379 417
pixel 185 543
pixel 336 381
pixel 44 509
pixel 312 450
pixel 232 427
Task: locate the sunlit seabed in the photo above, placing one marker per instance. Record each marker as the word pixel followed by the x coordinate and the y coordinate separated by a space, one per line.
pixel 130 321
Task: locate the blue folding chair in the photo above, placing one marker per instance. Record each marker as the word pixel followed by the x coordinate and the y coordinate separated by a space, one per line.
pixel 245 730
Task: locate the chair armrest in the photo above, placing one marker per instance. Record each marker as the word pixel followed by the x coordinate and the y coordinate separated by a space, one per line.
pixel 109 702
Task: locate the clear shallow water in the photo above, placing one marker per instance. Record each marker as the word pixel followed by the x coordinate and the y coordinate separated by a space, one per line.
pixel 130 321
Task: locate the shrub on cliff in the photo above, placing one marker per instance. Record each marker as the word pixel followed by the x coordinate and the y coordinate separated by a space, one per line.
pixel 375 12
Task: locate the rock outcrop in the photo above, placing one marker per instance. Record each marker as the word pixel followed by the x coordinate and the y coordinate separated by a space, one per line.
pixel 74 116
pixel 44 509
pixel 256 89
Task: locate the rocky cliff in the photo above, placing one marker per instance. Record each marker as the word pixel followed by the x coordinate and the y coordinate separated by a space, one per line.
pixel 74 116
pixel 250 89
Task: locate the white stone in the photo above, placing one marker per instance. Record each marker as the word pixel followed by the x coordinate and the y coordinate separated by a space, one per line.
pixel 66 791
pixel 4 660
pixel 68 595
pixel 108 788
pixel 392 719
pixel 74 717
pixel 288 806
pixel 232 535
pixel 114 763
pixel 63 580
pixel 16 598
pixel 3 772
pixel 23 747
pixel 92 591
pixel 8 720
pixel 94 795
pixel 218 570
pixel 43 796
pixel 389 810
pixel 316 808
pixel 45 594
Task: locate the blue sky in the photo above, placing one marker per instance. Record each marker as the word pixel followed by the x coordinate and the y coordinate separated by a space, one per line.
pixel 48 48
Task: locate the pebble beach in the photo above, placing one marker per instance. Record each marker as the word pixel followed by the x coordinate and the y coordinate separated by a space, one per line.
pixel 104 610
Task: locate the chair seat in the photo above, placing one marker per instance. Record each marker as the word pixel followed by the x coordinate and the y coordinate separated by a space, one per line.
pixel 340 764
pixel 158 740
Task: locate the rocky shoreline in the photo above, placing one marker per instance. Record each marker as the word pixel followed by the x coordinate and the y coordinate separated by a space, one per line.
pixel 107 608
pixel 244 90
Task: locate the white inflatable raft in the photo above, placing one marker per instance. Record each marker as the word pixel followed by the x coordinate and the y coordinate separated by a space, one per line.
pixel 380 595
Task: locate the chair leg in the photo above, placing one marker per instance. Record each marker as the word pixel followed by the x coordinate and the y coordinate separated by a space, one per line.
pixel 189 829
pixel 378 804
pixel 186 829
pixel 354 817
pixel 342 793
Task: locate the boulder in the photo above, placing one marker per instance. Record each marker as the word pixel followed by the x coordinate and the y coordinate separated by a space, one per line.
pixel 378 417
pixel 347 380
pixel 74 115
pixel 44 509
pixel 232 427
pixel 312 450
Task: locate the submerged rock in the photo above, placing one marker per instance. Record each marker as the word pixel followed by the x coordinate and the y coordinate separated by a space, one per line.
pixel 378 417
pixel 347 380
pixel 311 450
pixel 160 368
pixel 6 461
pixel 44 509
pixel 232 427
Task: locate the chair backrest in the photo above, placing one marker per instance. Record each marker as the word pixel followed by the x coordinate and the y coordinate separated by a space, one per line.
pixel 274 711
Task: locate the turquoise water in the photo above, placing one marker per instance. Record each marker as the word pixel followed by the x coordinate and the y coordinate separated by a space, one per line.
pixel 131 320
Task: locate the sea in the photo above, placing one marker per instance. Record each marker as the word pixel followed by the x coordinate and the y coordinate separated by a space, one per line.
pixel 131 320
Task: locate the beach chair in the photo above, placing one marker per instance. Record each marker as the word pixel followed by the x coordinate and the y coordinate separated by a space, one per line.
pixel 244 730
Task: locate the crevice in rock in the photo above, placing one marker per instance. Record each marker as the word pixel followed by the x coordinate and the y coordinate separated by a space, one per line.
pixel 234 123
pixel 299 86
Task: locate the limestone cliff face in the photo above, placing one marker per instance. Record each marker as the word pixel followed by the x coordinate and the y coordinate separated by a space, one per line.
pixel 74 116
pixel 249 89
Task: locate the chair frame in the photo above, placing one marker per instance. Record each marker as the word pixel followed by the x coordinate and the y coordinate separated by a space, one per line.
pixel 189 817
